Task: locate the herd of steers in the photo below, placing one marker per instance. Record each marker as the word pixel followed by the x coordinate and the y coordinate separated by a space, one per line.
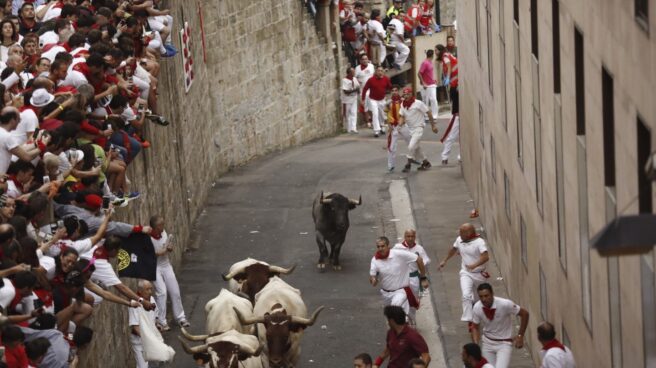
pixel 259 320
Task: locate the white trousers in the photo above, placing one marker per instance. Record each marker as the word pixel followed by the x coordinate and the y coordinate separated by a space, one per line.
pixel 497 353
pixel 397 297
pixel 401 54
pixel 430 99
pixel 377 109
pixel 137 349
pixel 396 133
pixel 469 281
pixel 351 115
pixel 166 283
pixel 414 285
pixel 453 136
pixel 414 149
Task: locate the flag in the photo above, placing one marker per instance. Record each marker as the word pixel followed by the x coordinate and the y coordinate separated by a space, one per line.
pixel 137 258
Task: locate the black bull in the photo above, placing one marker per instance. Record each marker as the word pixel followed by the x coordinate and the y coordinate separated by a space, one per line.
pixel 331 221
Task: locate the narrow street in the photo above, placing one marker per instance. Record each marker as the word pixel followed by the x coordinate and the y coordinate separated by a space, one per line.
pixel 263 211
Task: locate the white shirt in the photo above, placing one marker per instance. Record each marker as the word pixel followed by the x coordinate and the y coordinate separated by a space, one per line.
pixel 376 32
pixel 501 327
pixel 133 320
pixel 48 263
pixel 363 75
pixel 82 246
pixel 557 358
pixel 159 245
pixel 471 252
pixel 398 26
pixel 418 250
pixel 28 123
pixel 349 85
pixel 394 272
pixel 7 143
pixel 414 116
pixel 104 274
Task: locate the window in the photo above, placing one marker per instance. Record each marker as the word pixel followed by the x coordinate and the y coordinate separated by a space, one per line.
pixel 537 133
pixel 523 242
pixel 516 11
pixel 543 295
pixel 478 32
pixel 579 82
pixel 584 236
pixel 645 204
pixel 518 117
pixel 648 286
pixel 560 182
pixel 504 93
pixel 506 194
pixel 488 11
pixel 480 124
pixel 642 13
pixel 555 24
pixel 493 160
pixel 502 20
pixel 534 28
pixel 608 113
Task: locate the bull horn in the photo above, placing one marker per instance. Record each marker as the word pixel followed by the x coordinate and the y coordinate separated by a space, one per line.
pixel 306 321
pixel 247 321
pixel 354 202
pixel 191 337
pixel 250 351
pixel 227 277
pixel 322 200
pixel 282 270
pixel 192 350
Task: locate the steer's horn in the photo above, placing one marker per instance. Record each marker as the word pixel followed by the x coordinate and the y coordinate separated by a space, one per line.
pixel 192 350
pixel 282 270
pixel 250 351
pixel 354 202
pixel 323 200
pixel 247 321
pixel 226 277
pixel 306 321
pixel 191 337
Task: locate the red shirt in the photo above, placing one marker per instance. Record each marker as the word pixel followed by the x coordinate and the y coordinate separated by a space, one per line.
pixel 16 357
pixel 404 347
pixel 378 87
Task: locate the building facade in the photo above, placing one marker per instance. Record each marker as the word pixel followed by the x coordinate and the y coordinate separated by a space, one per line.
pixel 558 117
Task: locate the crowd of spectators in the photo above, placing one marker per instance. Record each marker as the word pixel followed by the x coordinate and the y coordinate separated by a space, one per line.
pixel 78 81
pixel 382 36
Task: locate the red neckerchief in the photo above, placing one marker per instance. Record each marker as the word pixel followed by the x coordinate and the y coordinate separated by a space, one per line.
pixel 349 78
pixel 472 238
pixel 363 67
pixel 553 344
pixel 156 237
pixel 17 183
pixel 405 244
pixel 481 363
pixel 380 256
pixel 408 102
pixel 396 98
pixel 100 253
pixel 489 312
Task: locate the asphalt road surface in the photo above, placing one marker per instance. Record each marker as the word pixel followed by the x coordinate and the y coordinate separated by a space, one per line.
pixel 263 210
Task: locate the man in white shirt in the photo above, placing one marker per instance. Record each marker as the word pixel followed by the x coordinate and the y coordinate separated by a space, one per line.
pixel 392 267
pixel 376 38
pixel 395 29
pixel 9 119
pixel 145 291
pixel 363 72
pixel 472 357
pixel 413 113
pixel 349 97
pixel 473 250
pixel 554 354
pixel 493 319
pixel 409 244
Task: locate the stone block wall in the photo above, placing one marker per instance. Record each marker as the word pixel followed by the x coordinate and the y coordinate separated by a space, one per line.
pixel 269 82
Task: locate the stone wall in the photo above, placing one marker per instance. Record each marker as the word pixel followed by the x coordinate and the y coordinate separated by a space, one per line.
pixel 268 82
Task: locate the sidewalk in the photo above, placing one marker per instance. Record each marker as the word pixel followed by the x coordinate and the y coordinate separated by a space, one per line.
pixel 441 203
